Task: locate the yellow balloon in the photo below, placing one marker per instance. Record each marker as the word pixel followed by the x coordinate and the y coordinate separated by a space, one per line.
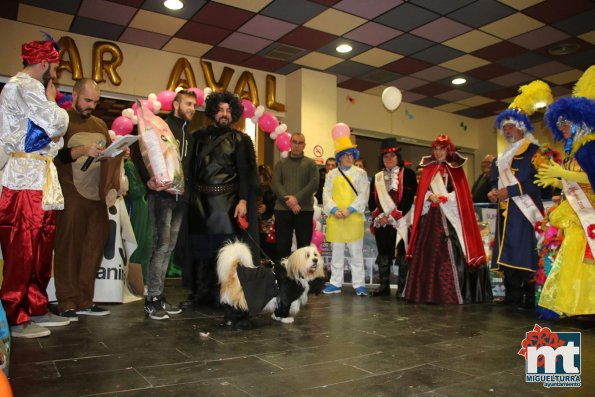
pixel 271 89
pixel 175 77
pixel 247 80
pixel 223 83
pixel 100 65
pixel 73 65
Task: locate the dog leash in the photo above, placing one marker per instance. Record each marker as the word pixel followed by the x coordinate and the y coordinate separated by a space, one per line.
pixel 256 243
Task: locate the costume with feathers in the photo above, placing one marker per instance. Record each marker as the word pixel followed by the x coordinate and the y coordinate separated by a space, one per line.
pixel 569 288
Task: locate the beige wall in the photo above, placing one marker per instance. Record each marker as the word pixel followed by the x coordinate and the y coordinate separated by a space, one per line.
pixel 314 106
pixel 143 70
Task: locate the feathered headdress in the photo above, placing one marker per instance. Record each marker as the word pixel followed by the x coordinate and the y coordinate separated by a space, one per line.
pixel 532 97
pixel 578 110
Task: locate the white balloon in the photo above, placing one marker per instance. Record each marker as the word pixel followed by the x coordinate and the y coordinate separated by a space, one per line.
pixel 128 112
pixel 284 154
pixel 254 119
pixel 259 111
pixel 152 97
pixel 391 98
pixel 156 107
pixel 281 128
pixel 112 134
pixel 134 119
pixel 207 91
pixel 318 226
pixel 317 213
pixel 273 135
pixel 178 89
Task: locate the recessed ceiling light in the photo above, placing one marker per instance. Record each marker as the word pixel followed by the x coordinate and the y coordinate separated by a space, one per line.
pixel 564 49
pixel 173 4
pixel 343 48
pixel 458 81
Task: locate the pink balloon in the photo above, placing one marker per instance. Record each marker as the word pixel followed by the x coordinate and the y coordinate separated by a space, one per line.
pixel 268 122
pixel 283 141
pixel 122 125
pixel 249 109
pixel 341 129
pixel 200 96
pixel 166 98
pixel 317 237
pixel 147 105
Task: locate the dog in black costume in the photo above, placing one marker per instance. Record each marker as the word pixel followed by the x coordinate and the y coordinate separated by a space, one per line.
pixel 247 290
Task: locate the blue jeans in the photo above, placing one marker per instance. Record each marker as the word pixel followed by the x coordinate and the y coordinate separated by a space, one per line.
pixel 166 216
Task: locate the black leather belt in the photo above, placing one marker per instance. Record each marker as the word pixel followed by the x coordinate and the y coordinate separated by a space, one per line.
pixel 216 189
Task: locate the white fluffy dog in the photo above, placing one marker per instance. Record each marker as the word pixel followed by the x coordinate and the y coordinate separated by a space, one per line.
pixel 246 290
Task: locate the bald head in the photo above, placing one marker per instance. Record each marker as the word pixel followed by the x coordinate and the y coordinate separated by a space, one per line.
pixel 85 95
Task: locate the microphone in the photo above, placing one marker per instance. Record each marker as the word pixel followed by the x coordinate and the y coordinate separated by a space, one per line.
pixel 90 159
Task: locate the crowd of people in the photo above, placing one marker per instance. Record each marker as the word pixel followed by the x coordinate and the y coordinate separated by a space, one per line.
pixel 423 221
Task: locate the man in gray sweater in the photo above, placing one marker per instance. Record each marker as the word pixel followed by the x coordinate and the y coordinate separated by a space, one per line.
pixel 295 180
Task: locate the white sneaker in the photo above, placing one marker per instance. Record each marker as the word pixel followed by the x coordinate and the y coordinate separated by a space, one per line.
pixel 28 330
pixel 50 320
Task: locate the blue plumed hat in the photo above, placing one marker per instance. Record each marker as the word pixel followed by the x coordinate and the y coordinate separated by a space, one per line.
pixel 578 110
pixel 532 96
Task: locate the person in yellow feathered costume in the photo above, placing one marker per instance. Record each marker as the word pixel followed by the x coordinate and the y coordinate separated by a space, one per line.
pixel 569 288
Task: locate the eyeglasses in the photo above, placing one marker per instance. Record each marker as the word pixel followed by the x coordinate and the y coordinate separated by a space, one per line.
pixel 298 142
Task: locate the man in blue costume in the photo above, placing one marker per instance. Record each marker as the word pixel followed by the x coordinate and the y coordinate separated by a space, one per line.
pixel 519 208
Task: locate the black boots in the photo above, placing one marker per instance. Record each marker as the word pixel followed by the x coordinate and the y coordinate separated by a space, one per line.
pixel 402 278
pixel 205 289
pixel 384 275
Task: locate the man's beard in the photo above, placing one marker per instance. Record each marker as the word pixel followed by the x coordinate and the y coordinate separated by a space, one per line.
pixel 81 111
pixel 226 123
pixel 46 77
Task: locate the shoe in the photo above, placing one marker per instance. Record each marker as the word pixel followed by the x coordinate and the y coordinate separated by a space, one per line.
pixel 361 291
pixel 188 304
pixel 50 320
pixel 383 290
pixel 168 307
pixel 154 309
pixel 93 311
pixel 331 289
pixel 70 314
pixel 28 330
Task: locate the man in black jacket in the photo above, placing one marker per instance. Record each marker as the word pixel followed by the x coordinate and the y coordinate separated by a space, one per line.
pixel 166 210
pixel 223 178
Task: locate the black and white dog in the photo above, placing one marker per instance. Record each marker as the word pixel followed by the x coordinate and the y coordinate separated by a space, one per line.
pixel 247 290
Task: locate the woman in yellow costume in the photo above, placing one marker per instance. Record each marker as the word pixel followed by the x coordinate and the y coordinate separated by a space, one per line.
pixel 570 287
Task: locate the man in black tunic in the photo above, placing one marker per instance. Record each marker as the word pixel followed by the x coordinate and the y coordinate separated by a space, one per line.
pixel 221 182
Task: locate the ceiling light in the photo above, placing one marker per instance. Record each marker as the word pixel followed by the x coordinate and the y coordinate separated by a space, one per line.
pixel 458 81
pixel 173 4
pixel 344 48
pixel 564 49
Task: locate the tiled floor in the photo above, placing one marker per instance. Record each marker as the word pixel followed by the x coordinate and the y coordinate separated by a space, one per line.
pixel 340 345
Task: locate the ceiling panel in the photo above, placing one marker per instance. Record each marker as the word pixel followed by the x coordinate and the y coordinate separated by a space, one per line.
pixel 416 45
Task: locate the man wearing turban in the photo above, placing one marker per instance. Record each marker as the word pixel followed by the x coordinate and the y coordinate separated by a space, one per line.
pixel 31 130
